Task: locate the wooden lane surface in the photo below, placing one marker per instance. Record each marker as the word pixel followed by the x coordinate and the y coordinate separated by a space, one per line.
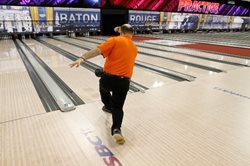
pixel 10 60
pixel 178 126
pixel 185 124
pixel 43 140
pixel 18 97
pixel 81 81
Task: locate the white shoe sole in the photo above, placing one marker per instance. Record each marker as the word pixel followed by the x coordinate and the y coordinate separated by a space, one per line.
pixel 119 139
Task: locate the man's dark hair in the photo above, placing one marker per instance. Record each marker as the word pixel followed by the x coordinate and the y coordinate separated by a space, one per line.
pixel 126 28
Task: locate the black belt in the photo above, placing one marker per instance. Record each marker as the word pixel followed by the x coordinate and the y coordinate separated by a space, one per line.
pixel 115 76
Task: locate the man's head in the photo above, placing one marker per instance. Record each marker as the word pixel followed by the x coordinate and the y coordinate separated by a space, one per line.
pixel 127 29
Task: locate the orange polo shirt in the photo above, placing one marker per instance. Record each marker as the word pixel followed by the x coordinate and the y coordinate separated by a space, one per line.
pixel 120 53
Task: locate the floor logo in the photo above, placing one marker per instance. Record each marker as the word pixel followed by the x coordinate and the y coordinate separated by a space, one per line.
pixel 103 151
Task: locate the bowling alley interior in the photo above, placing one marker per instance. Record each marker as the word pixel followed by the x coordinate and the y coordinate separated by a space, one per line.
pixel 188 98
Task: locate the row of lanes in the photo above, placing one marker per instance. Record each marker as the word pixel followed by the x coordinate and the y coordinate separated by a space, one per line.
pixel 84 83
pixel 156 61
pixel 172 123
pixel 176 56
pixel 170 46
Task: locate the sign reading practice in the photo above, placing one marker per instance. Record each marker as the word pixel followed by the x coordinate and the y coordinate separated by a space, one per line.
pixel 198 6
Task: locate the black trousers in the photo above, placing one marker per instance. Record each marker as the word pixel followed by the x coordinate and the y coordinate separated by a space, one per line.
pixel 113 91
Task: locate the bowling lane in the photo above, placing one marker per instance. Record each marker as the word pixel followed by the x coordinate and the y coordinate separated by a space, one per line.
pixel 200 39
pixel 146 78
pixel 75 50
pixel 80 80
pixel 182 57
pixel 10 60
pixel 160 62
pixel 18 98
pixel 194 52
pixel 179 56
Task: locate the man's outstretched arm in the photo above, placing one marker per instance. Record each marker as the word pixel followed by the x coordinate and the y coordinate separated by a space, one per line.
pixel 90 54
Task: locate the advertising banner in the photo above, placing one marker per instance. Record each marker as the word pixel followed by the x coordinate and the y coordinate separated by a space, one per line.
pixel 15 19
pixel 164 20
pixel 242 23
pixel 183 21
pixel 42 19
pixel 215 22
pixel 76 19
pixel 144 19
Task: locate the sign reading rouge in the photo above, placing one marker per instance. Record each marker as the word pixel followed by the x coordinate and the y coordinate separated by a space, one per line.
pixel 144 18
pixel 198 6
pixel 73 3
